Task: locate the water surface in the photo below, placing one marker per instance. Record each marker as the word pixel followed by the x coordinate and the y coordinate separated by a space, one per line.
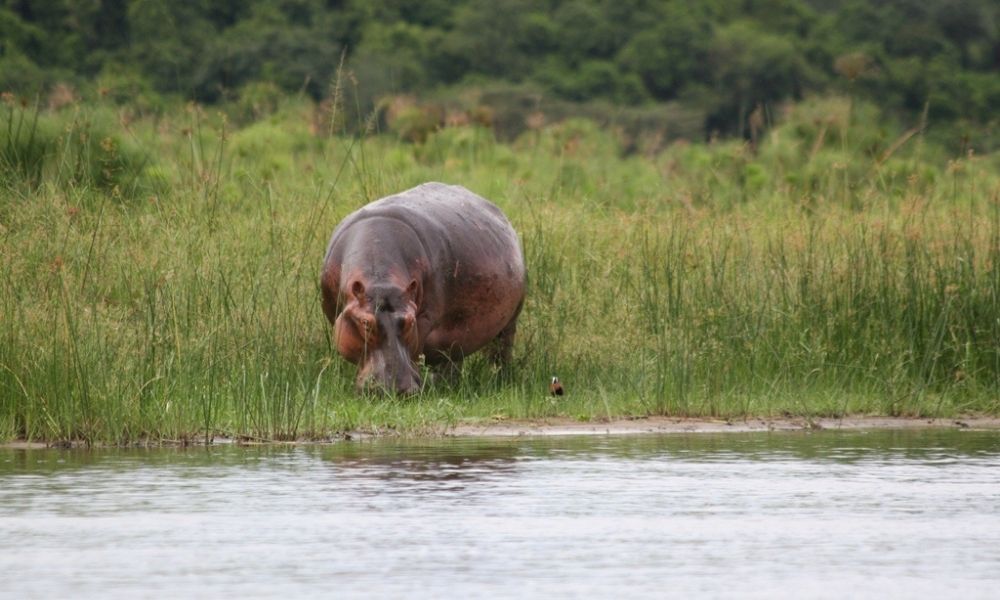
pixel 825 514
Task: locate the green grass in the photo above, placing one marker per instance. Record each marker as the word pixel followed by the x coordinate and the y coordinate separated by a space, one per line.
pixel 833 272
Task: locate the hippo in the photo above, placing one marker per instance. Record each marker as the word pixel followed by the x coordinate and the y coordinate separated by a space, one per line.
pixel 434 272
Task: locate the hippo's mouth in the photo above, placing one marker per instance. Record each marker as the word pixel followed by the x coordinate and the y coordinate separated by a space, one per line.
pixel 389 370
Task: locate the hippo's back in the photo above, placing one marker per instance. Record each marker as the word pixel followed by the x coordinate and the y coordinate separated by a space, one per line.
pixel 460 230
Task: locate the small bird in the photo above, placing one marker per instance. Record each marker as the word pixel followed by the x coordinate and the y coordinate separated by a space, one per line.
pixel 556 388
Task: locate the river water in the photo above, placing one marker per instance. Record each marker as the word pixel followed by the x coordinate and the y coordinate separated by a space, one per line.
pixel 880 514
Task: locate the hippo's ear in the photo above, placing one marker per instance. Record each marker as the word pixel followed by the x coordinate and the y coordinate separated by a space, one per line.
pixel 358 291
pixel 413 291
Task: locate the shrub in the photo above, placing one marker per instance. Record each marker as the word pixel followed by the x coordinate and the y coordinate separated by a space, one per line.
pixel 79 149
pixel 23 145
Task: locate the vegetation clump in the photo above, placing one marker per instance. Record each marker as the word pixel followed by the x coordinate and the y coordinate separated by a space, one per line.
pixel 69 148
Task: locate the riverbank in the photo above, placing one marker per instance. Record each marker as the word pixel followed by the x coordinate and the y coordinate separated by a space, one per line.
pixel 665 425
pixel 565 427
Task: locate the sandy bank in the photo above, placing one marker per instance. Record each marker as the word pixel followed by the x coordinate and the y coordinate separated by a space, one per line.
pixel 549 427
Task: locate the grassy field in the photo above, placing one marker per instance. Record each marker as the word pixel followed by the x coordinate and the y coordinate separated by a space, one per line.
pixel 159 275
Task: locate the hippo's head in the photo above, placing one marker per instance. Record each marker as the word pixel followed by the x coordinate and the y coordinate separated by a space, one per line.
pixel 377 330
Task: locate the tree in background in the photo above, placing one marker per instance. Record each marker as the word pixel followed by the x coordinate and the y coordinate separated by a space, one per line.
pixel 720 56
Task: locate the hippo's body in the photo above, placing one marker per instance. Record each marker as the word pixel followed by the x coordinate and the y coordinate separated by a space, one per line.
pixel 435 270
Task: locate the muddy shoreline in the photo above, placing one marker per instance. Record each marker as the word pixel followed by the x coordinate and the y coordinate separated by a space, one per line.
pixel 666 425
pixel 564 426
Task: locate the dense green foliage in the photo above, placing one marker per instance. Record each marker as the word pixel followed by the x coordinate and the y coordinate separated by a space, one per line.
pixel 841 267
pixel 717 57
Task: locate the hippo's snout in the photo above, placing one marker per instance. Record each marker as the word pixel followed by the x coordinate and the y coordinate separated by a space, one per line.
pixel 371 385
pixel 398 375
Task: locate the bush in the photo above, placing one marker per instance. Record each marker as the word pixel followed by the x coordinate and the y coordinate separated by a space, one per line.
pixel 258 99
pixel 271 146
pixel 123 86
pixel 515 109
pixel 24 144
pixel 18 74
pixel 78 149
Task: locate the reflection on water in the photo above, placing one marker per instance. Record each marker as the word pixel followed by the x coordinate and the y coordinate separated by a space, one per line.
pixel 792 514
